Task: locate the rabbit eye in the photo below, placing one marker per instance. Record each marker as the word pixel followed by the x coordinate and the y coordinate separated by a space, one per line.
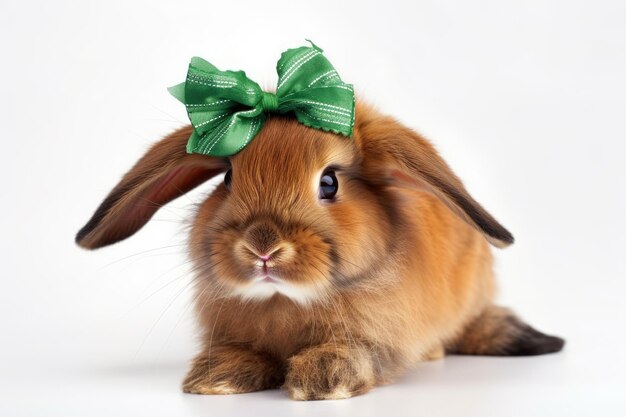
pixel 328 185
pixel 228 178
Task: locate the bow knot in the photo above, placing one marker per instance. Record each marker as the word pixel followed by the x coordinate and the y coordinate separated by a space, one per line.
pixel 269 102
pixel 227 109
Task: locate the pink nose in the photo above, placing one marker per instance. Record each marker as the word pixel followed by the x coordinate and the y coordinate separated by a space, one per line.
pixel 265 258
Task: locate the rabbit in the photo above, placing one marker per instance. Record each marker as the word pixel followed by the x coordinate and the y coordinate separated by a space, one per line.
pixel 326 265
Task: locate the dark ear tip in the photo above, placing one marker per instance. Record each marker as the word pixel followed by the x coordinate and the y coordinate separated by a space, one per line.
pixel 508 238
pixel 502 239
pixel 80 239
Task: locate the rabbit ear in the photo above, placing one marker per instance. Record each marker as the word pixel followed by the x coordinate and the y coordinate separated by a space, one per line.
pixel 165 172
pixel 393 153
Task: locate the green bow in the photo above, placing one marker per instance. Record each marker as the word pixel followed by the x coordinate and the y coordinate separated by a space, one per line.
pixel 227 109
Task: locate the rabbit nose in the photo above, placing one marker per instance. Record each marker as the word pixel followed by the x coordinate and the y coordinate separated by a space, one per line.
pixel 262 240
pixel 265 258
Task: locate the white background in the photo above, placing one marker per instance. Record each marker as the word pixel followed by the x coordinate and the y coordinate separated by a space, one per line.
pixel 525 99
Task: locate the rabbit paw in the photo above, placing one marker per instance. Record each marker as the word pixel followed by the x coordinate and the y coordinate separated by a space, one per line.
pixel 231 370
pixel 329 372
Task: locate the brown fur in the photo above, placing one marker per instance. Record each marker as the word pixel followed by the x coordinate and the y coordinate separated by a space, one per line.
pixel 396 270
pixel 498 332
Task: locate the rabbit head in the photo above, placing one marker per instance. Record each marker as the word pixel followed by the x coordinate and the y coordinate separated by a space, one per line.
pixel 301 212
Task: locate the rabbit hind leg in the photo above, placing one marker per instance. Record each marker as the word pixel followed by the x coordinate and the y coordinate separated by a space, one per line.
pixel 497 331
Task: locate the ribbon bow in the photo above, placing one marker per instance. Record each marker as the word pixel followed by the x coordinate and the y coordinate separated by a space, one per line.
pixel 227 109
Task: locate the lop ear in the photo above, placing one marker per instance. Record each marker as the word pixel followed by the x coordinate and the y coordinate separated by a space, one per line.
pixel 394 154
pixel 165 172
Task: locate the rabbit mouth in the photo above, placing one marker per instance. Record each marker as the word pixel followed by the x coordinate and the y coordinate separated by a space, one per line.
pixel 265 286
pixel 267 278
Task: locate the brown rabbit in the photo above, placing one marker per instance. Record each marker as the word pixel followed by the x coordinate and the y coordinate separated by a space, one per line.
pixel 326 265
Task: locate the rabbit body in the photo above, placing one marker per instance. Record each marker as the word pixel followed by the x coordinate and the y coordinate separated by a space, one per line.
pixel 327 298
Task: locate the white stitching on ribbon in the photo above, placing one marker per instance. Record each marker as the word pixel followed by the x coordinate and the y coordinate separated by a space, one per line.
pixel 337 109
pixel 210 120
pixel 292 70
pixel 331 72
pixel 207 104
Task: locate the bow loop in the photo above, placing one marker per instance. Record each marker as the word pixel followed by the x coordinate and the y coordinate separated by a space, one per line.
pixel 227 109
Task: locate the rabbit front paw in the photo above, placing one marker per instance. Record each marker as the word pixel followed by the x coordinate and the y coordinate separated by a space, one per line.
pixel 231 370
pixel 329 372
